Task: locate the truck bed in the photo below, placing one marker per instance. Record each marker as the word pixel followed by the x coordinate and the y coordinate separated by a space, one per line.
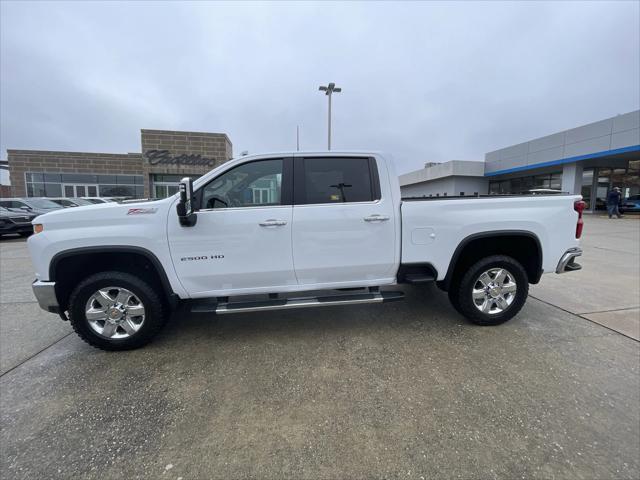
pixel 433 227
pixel 467 197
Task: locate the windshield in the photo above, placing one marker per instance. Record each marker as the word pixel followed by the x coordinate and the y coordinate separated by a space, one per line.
pixel 64 202
pixel 42 203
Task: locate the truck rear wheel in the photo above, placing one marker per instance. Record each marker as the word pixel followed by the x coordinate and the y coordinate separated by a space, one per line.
pixel 492 291
pixel 116 311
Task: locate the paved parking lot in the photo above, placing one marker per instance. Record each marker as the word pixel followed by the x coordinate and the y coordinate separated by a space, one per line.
pixel 403 390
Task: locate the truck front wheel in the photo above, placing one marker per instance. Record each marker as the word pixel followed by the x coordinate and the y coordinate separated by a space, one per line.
pixel 115 311
pixel 492 291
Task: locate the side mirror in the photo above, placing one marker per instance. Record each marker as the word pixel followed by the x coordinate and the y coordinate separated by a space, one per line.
pixel 186 212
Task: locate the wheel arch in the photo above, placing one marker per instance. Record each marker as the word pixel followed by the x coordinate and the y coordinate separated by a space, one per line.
pixel 70 266
pixel 500 242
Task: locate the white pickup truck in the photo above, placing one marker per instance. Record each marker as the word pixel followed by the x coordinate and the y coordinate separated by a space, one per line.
pixel 255 232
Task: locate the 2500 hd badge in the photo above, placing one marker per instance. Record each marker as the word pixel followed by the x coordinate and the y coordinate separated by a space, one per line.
pixel 202 257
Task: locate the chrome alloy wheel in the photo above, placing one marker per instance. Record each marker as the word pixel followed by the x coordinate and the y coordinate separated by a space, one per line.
pixel 114 313
pixel 494 291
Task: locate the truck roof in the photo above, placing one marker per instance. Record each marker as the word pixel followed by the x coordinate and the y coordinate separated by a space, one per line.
pixel 301 153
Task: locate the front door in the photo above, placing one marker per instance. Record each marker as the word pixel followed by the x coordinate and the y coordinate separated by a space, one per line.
pixel 343 226
pixel 241 242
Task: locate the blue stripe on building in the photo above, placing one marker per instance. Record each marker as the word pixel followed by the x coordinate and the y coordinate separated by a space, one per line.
pixel 605 153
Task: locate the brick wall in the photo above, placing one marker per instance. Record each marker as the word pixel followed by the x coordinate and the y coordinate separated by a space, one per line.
pixel 215 147
pixel 211 145
pixel 21 161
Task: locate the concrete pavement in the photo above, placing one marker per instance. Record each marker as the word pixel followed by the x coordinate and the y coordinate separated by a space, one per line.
pixel 24 328
pixel 607 289
pixel 403 390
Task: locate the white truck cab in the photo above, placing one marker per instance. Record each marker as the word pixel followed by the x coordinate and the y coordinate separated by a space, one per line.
pixel 275 225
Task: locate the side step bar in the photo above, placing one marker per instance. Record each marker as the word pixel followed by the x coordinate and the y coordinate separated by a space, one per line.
pixel 209 306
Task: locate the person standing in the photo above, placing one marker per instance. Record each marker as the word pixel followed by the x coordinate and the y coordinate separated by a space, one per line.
pixel 613 200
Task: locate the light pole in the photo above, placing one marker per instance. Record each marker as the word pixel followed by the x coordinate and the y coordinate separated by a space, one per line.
pixel 328 91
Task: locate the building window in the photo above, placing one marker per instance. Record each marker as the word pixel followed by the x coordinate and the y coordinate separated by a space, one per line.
pixel 587 184
pixel 129 191
pixel 522 185
pixel 627 179
pixel 163 186
pixel 83 185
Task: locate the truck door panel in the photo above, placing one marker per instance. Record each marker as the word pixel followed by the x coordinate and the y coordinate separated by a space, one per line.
pixel 241 242
pixel 343 228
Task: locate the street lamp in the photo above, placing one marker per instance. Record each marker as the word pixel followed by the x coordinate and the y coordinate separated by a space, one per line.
pixel 328 91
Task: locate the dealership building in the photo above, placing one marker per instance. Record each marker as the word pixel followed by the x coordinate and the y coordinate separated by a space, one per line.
pixel 588 160
pixel 165 158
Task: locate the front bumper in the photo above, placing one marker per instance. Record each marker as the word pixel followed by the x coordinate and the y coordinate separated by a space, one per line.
pixel 567 262
pixel 9 228
pixel 45 293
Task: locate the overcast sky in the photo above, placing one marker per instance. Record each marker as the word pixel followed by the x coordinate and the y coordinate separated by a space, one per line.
pixel 424 81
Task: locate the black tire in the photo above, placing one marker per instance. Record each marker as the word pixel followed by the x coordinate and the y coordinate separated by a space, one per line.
pixel 461 293
pixel 452 293
pixel 154 319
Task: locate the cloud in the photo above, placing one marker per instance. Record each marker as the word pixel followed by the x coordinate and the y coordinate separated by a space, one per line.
pixel 425 81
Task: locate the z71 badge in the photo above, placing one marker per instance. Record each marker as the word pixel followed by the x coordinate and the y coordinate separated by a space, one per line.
pixel 141 211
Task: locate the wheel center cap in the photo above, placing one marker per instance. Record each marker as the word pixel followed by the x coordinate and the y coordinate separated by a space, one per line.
pixel 494 292
pixel 115 314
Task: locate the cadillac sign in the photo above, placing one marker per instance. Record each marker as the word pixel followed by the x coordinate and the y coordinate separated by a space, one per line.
pixel 163 157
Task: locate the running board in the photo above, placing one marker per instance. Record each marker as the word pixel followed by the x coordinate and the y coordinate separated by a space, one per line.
pixel 209 306
pixel 418 278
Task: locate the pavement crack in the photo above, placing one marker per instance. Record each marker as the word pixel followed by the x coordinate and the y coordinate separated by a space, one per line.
pixel 584 318
pixel 35 354
pixel 614 250
pixel 612 310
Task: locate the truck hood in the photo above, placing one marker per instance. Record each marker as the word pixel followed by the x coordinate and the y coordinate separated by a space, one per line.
pixel 101 213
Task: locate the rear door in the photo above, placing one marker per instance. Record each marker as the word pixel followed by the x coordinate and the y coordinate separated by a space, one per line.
pixel 343 227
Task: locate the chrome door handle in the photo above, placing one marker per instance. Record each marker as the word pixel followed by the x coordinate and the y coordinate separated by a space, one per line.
pixel 273 223
pixel 376 218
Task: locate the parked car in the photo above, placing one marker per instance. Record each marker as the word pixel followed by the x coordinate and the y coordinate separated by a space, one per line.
pixel 544 191
pixel 99 199
pixel 66 202
pixel 631 204
pixel 19 222
pixel 279 225
pixel 63 202
pixel 37 205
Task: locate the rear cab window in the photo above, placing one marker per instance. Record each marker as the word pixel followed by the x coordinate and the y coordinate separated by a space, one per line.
pixel 322 180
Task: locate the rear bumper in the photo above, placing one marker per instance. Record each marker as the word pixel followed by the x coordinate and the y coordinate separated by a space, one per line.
pixel 45 293
pixel 567 262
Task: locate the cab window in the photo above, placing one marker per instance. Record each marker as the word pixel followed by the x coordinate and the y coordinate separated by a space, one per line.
pixel 337 180
pixel 253 184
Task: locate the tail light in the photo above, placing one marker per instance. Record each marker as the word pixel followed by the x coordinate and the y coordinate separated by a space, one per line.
pixel 579 207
